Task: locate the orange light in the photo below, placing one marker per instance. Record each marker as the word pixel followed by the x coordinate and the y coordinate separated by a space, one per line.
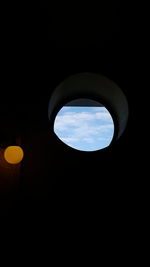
pixel 13 154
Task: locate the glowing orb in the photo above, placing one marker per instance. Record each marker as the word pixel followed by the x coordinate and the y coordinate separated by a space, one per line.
pixel 13 154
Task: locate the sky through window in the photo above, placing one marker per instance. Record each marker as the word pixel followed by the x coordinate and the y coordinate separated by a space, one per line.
pixel 84 128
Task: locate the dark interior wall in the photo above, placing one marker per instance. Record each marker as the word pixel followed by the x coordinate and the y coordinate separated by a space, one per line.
pixel 40 50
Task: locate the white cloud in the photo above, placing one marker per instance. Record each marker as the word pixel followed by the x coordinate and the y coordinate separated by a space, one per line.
pixel 93 131
pixel 84 127
pixel 70 139
pixel 103 116
pixel 76 119
pixel 88 140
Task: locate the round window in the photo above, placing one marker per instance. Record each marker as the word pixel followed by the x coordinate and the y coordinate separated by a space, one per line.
pixel 85 125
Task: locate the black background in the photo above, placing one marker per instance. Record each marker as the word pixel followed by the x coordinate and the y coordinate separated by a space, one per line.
pixel 39 49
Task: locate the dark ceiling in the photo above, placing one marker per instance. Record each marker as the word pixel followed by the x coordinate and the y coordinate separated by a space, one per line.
pixel 39 49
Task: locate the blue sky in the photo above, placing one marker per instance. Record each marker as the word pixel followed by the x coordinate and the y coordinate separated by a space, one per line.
pixel 84 128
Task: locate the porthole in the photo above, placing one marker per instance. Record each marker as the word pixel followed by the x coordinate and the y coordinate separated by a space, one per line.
pixel 88 112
